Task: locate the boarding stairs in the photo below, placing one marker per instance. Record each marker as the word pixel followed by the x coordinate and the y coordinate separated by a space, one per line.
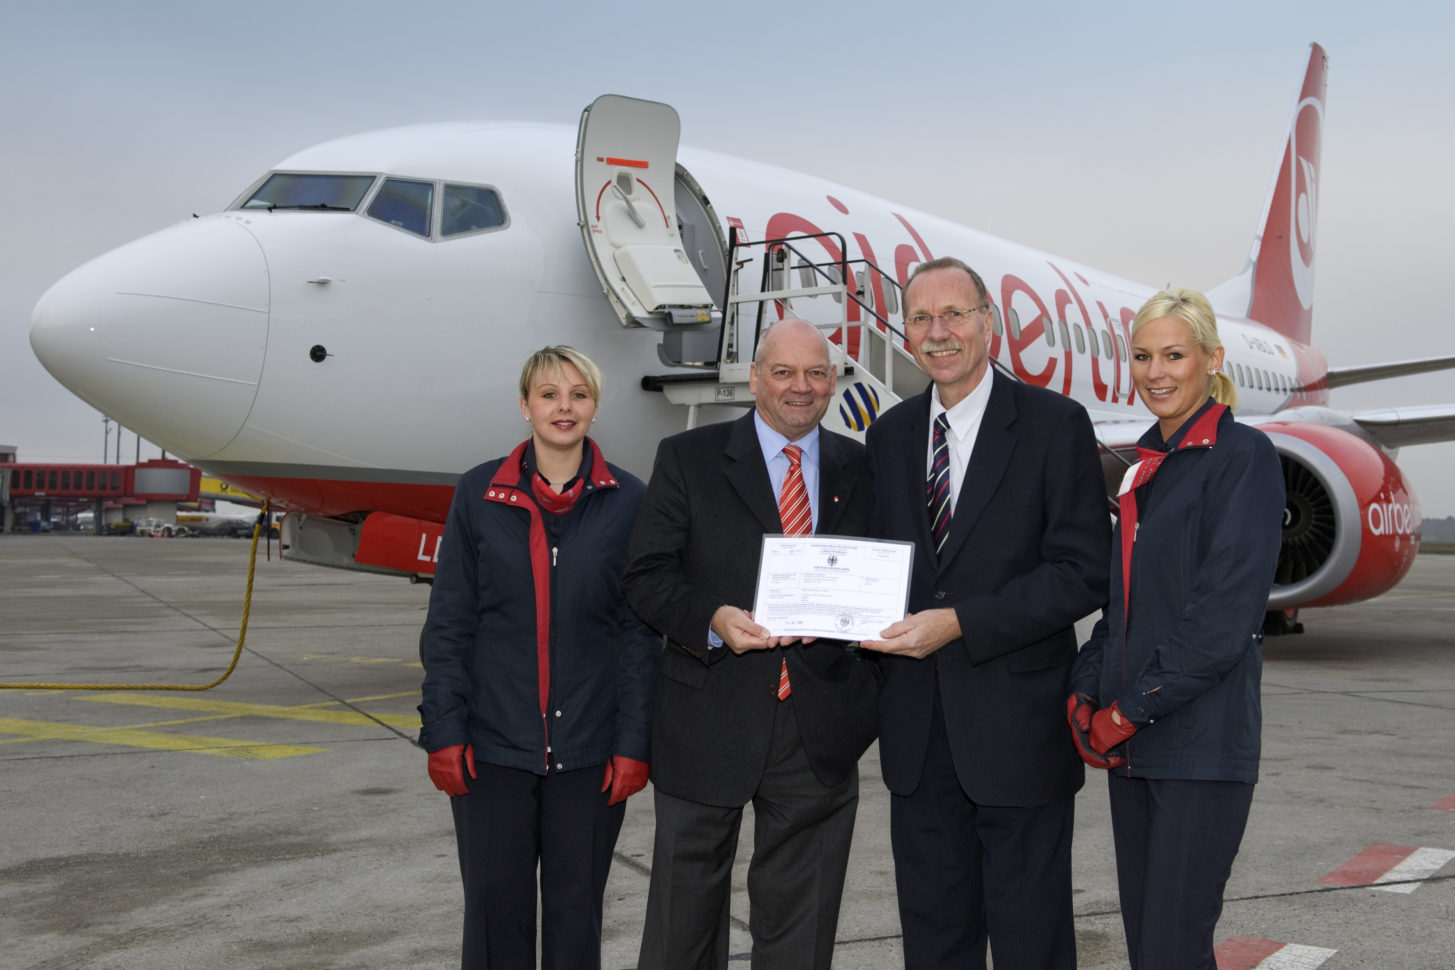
pixel 866 341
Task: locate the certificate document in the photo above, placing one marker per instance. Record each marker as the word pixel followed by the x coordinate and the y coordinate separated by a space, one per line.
pixel 831 586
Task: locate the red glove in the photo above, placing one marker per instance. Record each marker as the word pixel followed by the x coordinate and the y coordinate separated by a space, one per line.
pixel 1079 709
pixel 1110 728
pixel 447 768
pixel 625 777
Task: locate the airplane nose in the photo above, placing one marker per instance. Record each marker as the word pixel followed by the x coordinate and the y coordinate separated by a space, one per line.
pixel 165 334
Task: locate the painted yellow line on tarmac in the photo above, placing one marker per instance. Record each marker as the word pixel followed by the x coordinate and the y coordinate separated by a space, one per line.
pixel 204 705
pixel 380 697
pixel 134 738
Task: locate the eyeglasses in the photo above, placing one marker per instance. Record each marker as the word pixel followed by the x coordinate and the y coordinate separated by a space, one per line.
pixel 951 316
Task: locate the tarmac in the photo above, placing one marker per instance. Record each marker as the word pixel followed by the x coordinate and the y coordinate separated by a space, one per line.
pixel 284 818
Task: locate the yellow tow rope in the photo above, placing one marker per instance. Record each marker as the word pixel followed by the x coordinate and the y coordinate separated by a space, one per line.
pixel 236 654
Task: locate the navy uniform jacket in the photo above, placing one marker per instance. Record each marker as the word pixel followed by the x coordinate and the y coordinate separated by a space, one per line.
pixel 1185 663
pixel 529 647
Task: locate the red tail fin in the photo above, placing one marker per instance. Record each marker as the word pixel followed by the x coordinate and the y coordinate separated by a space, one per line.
pixel 1283 255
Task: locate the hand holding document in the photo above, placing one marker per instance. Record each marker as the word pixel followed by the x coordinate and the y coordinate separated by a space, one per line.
pixel 831 586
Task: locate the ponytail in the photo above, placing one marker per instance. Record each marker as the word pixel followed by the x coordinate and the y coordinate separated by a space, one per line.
pixel 1223 390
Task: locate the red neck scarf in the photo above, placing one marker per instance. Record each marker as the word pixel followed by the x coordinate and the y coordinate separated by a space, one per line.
pixel 551 500
pixel 1202 434
pixel 548 498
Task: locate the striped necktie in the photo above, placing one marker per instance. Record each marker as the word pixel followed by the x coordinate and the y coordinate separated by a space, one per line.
pixel 793 509
pixel 937 484
pixel 797 520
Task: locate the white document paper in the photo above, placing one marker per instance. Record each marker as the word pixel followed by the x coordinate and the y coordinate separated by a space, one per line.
pixel 831 586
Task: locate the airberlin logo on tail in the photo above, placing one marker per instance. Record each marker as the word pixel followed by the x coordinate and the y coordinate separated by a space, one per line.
pixel 1303 173
pixel 1390 518
pixel 1283 281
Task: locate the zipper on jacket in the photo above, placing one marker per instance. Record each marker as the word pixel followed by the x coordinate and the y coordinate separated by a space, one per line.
pixel 550 655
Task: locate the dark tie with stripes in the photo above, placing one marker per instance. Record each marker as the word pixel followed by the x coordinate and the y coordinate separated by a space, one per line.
pixel 937 485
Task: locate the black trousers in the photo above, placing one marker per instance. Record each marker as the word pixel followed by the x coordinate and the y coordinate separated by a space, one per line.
pixel 1175 845
pixel 512 822
pixel 801 837
pixel 966 872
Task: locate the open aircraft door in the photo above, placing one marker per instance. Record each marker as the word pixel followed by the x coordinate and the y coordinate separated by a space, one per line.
pixel 651 234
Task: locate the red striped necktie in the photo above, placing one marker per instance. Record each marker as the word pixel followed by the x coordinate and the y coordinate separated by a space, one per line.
pixel 797 520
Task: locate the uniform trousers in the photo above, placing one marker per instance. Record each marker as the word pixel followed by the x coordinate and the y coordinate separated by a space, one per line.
pixel 513 822
pixel 1175 845
pixel 801 835
pixel 966 872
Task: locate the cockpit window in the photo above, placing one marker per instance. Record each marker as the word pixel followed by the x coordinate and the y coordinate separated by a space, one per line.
pixel 404 204
pixel 470 208
pixel 289 190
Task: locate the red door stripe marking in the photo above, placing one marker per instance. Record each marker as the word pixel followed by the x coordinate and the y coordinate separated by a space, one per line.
pixel 626 162
pixel 1369 865
pixel 1244 952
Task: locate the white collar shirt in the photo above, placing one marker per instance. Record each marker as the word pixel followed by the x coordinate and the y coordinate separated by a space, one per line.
pixel 965 418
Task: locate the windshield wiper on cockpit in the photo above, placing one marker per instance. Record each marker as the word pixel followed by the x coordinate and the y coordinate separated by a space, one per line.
pixel 270 206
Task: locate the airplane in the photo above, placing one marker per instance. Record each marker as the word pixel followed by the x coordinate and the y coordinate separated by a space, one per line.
pixel 366 305
pixel 213 523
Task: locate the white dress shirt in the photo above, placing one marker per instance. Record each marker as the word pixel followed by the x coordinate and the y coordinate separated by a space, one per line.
pixel 965 420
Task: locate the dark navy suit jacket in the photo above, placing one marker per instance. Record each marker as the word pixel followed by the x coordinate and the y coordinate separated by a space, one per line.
pixel 1026 557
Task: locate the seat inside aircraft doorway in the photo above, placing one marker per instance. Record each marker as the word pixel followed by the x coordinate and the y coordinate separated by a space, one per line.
pixel 652 237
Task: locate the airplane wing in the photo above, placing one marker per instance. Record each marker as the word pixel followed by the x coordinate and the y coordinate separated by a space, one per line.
pixel 1389 427
pixel 1360 373
pixel 1397 427
pixel 1119 434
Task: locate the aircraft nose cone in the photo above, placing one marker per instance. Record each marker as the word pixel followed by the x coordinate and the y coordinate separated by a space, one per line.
pixel 165 334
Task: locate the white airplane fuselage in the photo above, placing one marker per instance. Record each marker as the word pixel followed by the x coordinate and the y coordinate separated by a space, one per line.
pixel 424 337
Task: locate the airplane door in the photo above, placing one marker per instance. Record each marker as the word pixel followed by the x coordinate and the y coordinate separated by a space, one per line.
pixel 628 192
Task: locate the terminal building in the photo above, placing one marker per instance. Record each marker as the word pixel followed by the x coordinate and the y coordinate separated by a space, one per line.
pixel 38 497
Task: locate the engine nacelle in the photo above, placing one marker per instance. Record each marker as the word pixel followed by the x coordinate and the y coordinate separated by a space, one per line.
pixel 1351 525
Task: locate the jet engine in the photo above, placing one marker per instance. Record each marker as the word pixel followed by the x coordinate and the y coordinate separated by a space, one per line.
pixel 1351 525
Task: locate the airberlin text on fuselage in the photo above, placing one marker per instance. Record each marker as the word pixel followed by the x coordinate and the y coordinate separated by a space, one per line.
pixel 1390 518
pixel 1031 355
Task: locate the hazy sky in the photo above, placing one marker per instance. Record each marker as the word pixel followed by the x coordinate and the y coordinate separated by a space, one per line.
pixel 1133 137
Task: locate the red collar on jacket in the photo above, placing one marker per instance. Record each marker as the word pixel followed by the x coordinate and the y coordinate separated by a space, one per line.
pixel 1200 432
pixel 509 474
pixel 511 486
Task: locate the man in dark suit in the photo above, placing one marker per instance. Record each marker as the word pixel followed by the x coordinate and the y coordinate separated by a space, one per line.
pixel 999 486
pixel 727 729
